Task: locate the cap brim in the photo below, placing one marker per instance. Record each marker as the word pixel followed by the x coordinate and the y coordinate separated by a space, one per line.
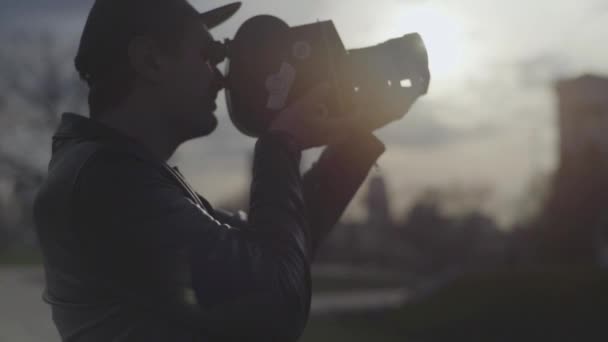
pixel 218 15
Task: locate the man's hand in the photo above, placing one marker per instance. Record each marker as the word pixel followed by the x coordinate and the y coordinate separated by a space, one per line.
pixel 306 120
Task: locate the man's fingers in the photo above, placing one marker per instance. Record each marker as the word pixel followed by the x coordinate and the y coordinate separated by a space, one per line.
pixel 315 96
pixel 331 130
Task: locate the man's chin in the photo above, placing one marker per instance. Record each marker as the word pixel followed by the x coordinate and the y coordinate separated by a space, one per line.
pixel 208 126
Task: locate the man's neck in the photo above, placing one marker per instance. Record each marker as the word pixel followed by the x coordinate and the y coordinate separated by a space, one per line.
pixel 145 128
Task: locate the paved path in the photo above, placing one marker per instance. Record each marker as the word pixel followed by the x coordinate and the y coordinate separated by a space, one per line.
pixel 362 300
pixel 24 317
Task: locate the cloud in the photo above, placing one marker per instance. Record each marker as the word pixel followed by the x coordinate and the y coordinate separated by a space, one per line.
pixel 20 6
pixel 422 129
pixel 56 15
pixel 544 69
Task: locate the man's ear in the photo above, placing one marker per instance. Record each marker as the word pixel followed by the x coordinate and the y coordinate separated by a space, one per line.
pixel 145 58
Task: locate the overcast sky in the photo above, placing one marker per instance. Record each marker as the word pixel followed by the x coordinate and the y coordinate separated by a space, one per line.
pixel 488 118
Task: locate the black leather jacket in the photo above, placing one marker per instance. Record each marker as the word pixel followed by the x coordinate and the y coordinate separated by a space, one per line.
pixel 132 253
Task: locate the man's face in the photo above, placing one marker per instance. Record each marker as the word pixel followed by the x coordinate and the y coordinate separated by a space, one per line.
pixel 191 83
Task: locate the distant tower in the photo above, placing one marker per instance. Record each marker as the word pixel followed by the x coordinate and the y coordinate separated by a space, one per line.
pixel 579 201
pixel 583 119
pixel 378 207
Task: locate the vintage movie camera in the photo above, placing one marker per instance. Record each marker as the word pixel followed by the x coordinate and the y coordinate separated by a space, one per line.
pixel 270 64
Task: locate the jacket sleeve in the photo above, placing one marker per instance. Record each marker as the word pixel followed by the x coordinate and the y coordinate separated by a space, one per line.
pixel 256 280
pixel 251 283
pixel 331 183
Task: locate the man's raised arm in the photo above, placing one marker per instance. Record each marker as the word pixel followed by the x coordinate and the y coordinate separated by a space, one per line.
pixel 333 180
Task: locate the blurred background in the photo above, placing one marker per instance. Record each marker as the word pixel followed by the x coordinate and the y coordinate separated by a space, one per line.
pixel 484 219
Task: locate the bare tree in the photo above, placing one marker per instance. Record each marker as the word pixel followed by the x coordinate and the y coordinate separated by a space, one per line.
pixel 37 80
pixel 38 70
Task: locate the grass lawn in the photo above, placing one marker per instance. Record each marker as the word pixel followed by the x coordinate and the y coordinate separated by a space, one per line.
pixel 20 258
pixel 354 328
pixel 352 283
pixel 566 304
pixel 561 305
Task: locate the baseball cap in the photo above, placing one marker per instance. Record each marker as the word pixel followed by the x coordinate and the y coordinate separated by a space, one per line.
pixel 112 24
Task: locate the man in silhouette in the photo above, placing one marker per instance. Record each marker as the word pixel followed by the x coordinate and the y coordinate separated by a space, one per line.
pixel 132 252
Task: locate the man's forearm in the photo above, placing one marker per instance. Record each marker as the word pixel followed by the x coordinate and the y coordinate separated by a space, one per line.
pixel 277 204
pixel 278 213
pixel 331 183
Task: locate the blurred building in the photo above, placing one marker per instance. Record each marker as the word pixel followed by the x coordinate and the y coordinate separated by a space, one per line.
pixel 373 240
pixel 377 200
pixel 573 220
pixel 583 119
pixel 376 234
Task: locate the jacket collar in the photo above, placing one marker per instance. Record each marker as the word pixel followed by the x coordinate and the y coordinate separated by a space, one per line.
pixel 77 127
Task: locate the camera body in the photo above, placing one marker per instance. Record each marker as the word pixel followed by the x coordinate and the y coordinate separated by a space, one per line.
pixel 271 64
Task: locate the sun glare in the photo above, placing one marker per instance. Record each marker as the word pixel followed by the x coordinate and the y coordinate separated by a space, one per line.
pixel 443 37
